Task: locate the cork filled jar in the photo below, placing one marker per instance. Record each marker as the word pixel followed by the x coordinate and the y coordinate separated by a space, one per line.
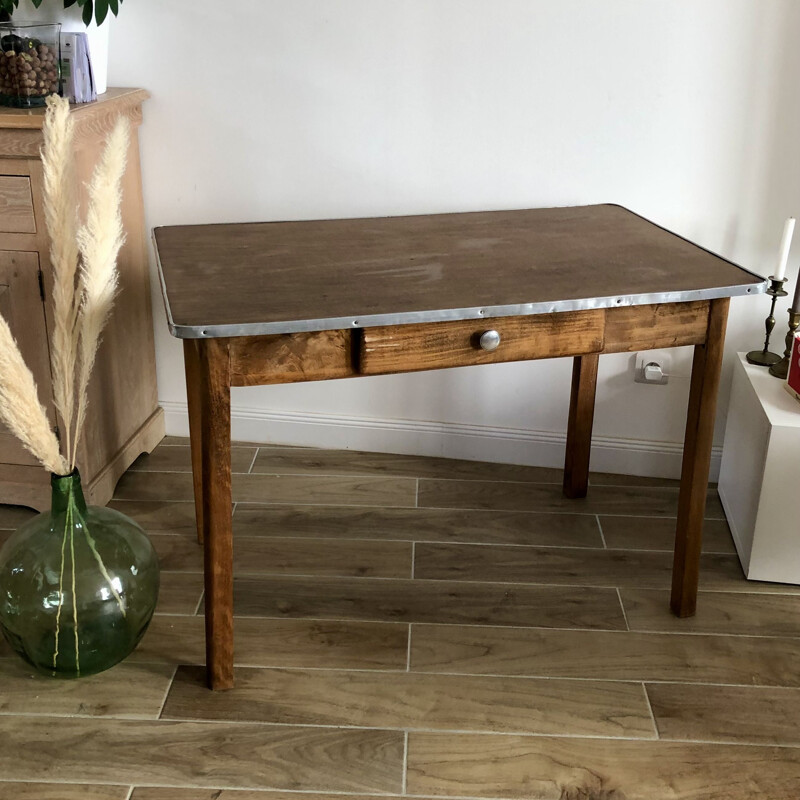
pixel 30 66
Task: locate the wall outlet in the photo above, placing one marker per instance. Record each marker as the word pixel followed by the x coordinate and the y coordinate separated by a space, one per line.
pixel 656 360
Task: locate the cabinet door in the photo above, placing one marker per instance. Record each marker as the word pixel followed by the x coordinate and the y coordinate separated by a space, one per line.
pixel 21 305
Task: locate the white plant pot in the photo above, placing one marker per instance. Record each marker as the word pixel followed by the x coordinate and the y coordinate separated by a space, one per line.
pixel 71 22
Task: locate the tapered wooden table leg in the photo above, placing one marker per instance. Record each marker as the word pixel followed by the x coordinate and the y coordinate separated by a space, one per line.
pixel 696 459
pixel 579 429
pixel 215 419
pixel 191 361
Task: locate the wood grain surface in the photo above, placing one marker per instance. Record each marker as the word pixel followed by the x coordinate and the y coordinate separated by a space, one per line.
pixel 616 500
pixel 654 326
pixel 159 516
pixel 338 489
pixel 563 565
pixel 249 756
pixel 541 768
pixel 476 603
pixel 180 594
pixel 211 487
pixel 103 695
pixel 16 205
pixel 659 534
pixel 771 610
pixel 406 348
pixel 342 644
pixel 579 426
pixel 320 557
pixel 312 461
pixel 618 479
pixel 178 459
pixel 726 713
pixel 61 791
pixel 526 657
pixel 697 443
pixel 621 656
pixel 194 404
pixel 414 701
pixel 165 793
pixel 308 271
pixel 317 356
pixel 421 524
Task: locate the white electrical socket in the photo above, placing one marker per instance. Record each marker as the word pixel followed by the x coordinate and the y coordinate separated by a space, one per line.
pixel 663 358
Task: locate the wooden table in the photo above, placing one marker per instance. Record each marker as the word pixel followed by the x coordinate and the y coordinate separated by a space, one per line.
pixel 281 302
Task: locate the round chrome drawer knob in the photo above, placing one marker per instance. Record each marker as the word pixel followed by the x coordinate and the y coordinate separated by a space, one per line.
pixel 490 340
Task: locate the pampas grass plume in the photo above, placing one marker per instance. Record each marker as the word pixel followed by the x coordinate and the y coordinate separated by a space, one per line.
pixel 61 216
pixel 20 408
pixel 100 240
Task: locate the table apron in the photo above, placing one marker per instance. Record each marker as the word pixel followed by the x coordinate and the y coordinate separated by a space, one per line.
pixel 325 355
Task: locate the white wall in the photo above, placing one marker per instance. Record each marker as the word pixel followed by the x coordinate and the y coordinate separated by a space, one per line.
pixel 685 112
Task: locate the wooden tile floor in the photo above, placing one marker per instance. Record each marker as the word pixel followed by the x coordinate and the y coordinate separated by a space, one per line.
pixel 428 628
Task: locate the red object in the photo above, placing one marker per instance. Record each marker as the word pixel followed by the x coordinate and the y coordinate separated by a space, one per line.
pixel 793 378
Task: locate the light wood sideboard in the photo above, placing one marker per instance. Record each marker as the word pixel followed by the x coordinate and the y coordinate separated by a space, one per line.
pixel 123 419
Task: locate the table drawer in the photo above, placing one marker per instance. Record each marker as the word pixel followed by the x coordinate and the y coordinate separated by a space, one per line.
pixel 406 348
pixel 291 358
pixel 16 205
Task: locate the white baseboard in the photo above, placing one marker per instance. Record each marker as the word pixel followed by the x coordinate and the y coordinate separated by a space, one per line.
pixel 443 439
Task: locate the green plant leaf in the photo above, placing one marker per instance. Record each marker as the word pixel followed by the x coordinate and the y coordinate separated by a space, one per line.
pixel 36 3
pixel 114 6
pixel 68 3
pixel 88 11
pixel 100 11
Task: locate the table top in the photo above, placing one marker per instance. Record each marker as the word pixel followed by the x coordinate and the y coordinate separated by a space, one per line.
pixel 246 279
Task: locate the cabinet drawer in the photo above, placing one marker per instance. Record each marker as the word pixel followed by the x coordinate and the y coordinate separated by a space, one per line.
pixel 406 348
pixel 16 205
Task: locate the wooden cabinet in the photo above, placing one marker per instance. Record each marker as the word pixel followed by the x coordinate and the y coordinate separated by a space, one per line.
pixel 123 417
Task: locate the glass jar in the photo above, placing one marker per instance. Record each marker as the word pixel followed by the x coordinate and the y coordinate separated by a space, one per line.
pixel 78 585
pixel 30 63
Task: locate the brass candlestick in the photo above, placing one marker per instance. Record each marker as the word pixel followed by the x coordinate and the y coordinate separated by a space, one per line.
pixel 781 369
pixel 764 358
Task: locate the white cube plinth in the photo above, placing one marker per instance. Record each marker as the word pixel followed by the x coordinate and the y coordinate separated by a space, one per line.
pixel 758 482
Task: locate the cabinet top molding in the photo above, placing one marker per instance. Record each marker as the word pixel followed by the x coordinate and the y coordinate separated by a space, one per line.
pixel 114 100
pixel 21 128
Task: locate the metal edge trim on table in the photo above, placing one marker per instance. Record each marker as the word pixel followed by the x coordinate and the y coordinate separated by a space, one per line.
pixel 449 315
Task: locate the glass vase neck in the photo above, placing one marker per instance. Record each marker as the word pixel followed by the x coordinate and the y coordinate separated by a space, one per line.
pixel 66 491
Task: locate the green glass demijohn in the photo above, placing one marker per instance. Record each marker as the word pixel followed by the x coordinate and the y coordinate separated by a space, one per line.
pixel 78 585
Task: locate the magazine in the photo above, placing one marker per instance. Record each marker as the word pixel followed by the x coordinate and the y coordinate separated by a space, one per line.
pixel 77 78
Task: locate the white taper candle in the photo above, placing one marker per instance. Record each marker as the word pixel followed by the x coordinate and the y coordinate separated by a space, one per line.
pixel 783 253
